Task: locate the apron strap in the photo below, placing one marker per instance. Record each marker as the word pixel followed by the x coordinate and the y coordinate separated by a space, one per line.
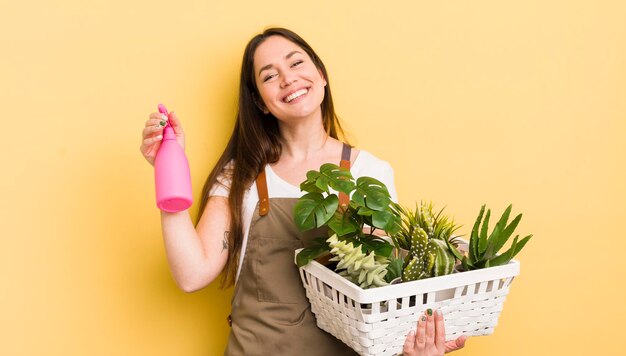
pixel 261 184
pixel 344 199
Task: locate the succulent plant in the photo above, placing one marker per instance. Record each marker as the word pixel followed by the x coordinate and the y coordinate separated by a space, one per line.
pixel 437 226
pixel 365 270
pixel 427 258
pixel 427 238
pixel 483 248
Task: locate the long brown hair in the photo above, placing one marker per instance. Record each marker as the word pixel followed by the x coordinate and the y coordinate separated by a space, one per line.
pixel 255 142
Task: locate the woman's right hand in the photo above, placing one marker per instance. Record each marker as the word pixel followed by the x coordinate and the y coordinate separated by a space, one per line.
pixel 430 337
pixel 152 134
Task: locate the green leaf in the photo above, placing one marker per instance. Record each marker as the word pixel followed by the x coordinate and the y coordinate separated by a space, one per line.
pixel 329 176
pixel 505 257
pixel 338 178
pixel 507 232
pixel 482 242
pixel 380 219
pixel 309 254
pixel 500 225
pixel 394 225
pixel 322 183
pixel 377 199
pixel 394 269
pixel 473 243
pixel 344 223
pixel 372 193
pixel 364 211
pixel 467 265
pixel 457 254
pixel 313 210
pixel 521 244
pixel 309 184
pixel 379 246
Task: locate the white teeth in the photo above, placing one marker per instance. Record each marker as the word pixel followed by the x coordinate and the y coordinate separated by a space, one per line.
pixel 296 95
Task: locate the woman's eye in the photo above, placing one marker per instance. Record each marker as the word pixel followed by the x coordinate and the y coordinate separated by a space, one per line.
pixel 297 63
pixel 269 77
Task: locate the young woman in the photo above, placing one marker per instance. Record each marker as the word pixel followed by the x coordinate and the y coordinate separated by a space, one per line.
pixel 286 126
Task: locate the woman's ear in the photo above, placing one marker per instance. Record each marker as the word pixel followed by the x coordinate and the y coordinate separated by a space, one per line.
pixel 261 105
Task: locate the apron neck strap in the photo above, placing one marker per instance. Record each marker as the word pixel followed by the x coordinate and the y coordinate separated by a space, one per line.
pixel 261 184
pixel 344 199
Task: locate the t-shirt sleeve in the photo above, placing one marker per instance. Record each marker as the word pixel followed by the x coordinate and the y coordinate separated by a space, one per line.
pixel 221 188
pixel 371 166
pixel 387 177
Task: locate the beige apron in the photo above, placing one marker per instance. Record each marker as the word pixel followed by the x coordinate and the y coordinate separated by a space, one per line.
pixel 270 312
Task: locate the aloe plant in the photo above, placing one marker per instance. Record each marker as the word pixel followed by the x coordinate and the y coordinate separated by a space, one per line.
pixel 427 237
pixel 484 247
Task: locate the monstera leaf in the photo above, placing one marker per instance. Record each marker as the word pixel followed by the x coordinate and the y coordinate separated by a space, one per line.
pixel 386 220
pixel 371 193
pixel 318 247
pixel 329 175
pixel 344 223
pixel 313 210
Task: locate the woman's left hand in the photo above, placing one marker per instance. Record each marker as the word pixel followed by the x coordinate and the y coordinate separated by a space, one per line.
pixel 430 338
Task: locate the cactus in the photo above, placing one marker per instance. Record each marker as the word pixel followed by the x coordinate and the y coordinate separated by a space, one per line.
pixel 367 271
pixel 427 258
pixel 427 237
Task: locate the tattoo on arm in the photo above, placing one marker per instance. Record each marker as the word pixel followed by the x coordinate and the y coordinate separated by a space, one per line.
pixel 225 241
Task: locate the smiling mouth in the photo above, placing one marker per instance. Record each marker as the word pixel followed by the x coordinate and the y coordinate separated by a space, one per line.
pixel 289 98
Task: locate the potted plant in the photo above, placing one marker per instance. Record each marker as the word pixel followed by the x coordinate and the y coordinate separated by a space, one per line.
pixel 483 249
pixel 363 257
pixel 355 303
pixel 426 237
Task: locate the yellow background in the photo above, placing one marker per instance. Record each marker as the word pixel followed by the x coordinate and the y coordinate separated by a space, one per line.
pixel 472 102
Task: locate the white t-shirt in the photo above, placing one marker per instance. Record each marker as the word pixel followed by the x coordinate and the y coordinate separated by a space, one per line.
pixel 365 164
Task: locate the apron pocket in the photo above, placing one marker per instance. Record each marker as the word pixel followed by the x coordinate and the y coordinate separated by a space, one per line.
pixel 277 276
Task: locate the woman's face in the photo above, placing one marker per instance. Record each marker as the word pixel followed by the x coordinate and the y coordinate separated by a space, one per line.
pixel 288 81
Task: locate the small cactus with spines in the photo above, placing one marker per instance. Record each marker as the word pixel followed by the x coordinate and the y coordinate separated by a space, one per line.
pixel 365 270
pixel 427 237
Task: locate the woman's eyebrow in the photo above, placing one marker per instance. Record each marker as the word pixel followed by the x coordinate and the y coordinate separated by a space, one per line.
pixel 269 66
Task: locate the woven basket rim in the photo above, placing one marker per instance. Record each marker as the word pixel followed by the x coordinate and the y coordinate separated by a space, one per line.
pixel 433 284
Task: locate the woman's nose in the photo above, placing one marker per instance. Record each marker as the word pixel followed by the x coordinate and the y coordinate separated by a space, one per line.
pixel 287 81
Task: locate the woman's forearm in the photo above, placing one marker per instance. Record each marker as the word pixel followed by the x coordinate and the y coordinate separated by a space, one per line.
pixel 196 257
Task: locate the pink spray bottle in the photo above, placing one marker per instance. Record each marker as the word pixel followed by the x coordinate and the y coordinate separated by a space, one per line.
pixel 171 173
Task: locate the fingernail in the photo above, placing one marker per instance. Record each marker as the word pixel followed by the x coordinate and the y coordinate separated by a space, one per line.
pixel 423 318
pixel 162 123
pixel 438 312
pixel 159 137
pixel 429 311
pixel 163 117
pixel 411 333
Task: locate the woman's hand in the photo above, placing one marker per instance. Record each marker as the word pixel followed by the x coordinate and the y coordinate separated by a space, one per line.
pixel 152 134
pixel 430 338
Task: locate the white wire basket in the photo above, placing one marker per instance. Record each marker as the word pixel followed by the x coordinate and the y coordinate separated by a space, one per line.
pixel 375 322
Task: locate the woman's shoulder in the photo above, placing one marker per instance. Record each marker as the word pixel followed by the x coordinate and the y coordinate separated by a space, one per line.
pixel 369 165
pixel 365 161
